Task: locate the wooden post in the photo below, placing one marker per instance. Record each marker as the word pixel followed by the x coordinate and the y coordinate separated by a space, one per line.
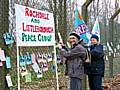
pixel 85 17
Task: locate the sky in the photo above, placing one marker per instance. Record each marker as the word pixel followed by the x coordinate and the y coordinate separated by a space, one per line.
pixel 81 2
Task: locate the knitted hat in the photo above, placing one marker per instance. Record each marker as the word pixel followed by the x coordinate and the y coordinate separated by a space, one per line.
pixel 75 34
pixel 95 36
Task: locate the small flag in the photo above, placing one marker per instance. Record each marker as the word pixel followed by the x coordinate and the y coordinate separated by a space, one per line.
pixel 80 27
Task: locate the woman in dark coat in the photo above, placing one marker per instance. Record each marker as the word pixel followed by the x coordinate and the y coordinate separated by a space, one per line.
pixel 95 69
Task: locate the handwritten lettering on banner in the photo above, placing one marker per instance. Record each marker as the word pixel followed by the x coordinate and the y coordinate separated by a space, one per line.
pixel 34 27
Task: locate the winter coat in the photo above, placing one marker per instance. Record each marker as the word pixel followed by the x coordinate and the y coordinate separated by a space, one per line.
pixel 74 60
pixel 97 65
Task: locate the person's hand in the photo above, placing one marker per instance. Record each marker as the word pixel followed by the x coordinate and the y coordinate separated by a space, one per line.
pixel 62 43
pixel 59 46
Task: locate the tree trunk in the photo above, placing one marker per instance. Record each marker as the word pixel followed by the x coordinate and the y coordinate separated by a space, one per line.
pixel 85 17
pixel 55 14
pixel 4 28
pixel 65 22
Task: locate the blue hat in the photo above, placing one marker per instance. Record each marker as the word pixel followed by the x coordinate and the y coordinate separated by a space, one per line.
pixel 95 36
pixel 75 34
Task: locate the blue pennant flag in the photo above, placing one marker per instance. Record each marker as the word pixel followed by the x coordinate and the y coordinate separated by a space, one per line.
pixel 80 27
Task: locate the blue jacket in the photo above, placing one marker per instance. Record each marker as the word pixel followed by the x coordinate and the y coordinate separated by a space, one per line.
pixel 97 65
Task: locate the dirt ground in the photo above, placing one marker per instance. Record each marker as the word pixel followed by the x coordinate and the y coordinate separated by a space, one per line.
pixel 112 84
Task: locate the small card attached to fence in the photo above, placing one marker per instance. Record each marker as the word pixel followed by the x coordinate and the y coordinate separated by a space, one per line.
pixel 2 55
pixel 9 81
pixel 39 74
pixel 23 71
pixel 53 68
pixel 28 77
pixel 35 67
pixel 8 64
pixel 45 67
pixel 49 57
pixel 28 59
pixel 8 37
pixel 22 61
pixel 58 59
pixel 33 58
pixel 39 58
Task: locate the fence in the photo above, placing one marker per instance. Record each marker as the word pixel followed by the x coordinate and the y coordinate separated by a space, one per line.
pixel 48 81
pixel 7 22
pixel 112 49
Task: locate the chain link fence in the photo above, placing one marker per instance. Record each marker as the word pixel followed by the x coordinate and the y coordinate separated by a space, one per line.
pixel 48 80
pixel 111 48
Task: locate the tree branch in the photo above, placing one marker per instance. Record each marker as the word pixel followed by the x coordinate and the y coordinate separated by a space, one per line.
pixel 87 3
pixel 115 14
pixel 85 11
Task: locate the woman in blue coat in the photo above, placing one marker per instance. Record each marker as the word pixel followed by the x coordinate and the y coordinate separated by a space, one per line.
pixel 95 69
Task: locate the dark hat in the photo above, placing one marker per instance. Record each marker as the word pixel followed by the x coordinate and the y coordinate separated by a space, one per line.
pixel 95 36
pixel 74 34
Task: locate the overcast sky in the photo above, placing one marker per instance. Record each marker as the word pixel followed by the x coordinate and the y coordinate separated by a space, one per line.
pixel 112 7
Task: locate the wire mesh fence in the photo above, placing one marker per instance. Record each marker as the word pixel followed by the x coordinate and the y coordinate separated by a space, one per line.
pixel 111 49
pixel 35 82
pixel 48 80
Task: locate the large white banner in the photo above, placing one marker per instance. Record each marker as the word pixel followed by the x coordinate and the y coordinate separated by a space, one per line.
pixel 34 27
